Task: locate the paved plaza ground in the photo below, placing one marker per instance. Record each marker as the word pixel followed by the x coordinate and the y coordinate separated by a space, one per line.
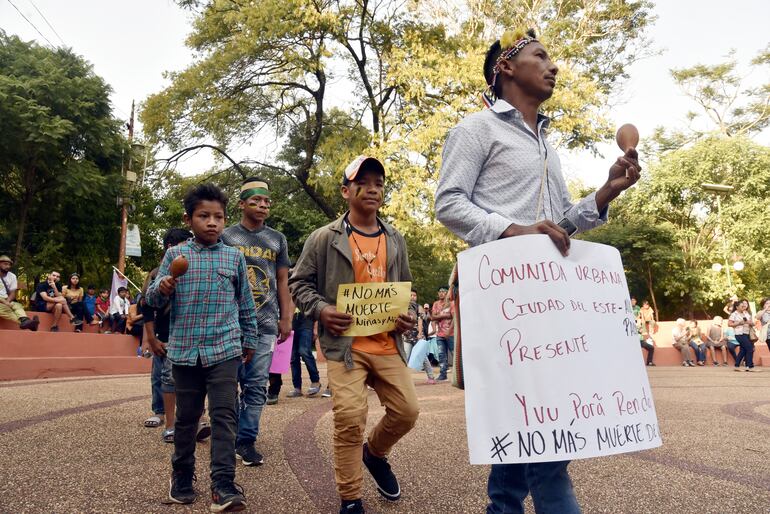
pixel 78 445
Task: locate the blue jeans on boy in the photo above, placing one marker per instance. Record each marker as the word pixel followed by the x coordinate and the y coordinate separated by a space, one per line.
pixel 155 382
pixel 445 345
pixel 303 349
pixel 252 378
pixel 548 482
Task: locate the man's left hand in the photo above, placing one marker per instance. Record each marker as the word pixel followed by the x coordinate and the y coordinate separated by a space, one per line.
pixel 405 322
pixel 625 172
pixel 248 354
pixel 284 330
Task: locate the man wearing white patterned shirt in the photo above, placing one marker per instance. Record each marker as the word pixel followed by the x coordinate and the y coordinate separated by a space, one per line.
pixel 501 178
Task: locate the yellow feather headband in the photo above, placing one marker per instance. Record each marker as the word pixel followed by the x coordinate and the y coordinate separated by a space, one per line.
pixel 511 42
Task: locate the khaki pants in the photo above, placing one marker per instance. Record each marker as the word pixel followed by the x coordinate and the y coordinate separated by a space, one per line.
pixel 13 313
pixel 392 381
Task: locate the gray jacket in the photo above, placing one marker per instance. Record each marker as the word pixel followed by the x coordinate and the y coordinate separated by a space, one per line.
pixel 325 263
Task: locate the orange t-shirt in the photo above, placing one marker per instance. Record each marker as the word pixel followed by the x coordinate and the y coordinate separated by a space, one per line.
pixel 371 267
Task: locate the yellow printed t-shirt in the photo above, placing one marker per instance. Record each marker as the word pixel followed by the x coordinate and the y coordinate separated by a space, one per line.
pixel 371 271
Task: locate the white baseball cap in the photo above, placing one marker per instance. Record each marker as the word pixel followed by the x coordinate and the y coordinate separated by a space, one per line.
pixel 359 163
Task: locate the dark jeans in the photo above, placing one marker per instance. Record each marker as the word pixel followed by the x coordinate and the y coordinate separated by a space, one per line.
pixel 747 351
pixel 155 385
pixel 220 381
pixel 79 311
pixel 138 331
pixel 731 348
pixel 445 345
pixel 303 349
pixel 275 382
pixel 547 482
pixel 700 351
pixel 650 350
pixel 118 323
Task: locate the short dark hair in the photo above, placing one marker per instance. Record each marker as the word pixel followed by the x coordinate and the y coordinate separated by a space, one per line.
pixel 121 289
pixel 102 290
pixel 414 291
pixel 493 53
pixel 201 193
pixel 174 236
pixel 254 179
pixel 90 286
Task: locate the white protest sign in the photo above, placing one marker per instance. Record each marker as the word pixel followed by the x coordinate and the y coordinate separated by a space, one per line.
pixel 551 354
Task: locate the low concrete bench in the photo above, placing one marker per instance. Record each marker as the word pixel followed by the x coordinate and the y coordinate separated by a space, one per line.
pixel 44 354
pixel 667 355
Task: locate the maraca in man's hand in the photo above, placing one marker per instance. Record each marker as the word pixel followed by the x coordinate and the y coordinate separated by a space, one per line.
pixel 627 138
pixel 625 172
pixel 177 268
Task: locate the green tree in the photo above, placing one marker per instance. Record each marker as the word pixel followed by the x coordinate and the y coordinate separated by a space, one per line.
pixel 649 258
pixel 672 196
pixel 731 106
pixel 333 79
pixel 60 159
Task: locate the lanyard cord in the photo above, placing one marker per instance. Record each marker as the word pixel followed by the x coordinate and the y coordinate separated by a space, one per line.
pixel 542 190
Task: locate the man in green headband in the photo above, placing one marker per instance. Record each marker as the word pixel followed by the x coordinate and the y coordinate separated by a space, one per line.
pixel 267 260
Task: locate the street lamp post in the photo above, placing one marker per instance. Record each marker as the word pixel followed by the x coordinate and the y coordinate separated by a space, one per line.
pixel 719 190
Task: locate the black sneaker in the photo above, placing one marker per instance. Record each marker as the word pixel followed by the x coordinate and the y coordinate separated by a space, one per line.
pixel 28 324
pixel 76 322
pixel 227 497
pixel 272 399
pixel 181 487
pixel 352 507
pixel 387 483
pixel 54 329
pixel 249 455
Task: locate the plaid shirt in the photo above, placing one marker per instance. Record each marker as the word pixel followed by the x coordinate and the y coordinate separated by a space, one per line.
pixel 212 309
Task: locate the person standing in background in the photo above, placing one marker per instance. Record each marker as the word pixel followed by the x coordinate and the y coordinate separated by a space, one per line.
pixel 442 314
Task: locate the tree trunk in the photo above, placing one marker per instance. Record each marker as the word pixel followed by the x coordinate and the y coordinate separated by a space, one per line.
pixel 24 212
pixel 652 294
pixel 22 228
pixel 318 199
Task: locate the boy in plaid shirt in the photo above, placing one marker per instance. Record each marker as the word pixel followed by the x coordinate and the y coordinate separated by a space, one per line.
pixel 213 325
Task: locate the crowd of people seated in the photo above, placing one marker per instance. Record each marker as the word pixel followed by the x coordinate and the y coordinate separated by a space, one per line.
pixel 81 306
pixel 735 335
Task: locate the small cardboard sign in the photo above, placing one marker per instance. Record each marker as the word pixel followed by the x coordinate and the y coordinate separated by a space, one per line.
pixel 374 306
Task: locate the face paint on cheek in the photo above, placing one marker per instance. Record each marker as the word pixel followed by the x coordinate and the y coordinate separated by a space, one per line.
pixel 358 192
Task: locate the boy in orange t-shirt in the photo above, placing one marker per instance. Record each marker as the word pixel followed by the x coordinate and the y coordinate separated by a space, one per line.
pixel 359 247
